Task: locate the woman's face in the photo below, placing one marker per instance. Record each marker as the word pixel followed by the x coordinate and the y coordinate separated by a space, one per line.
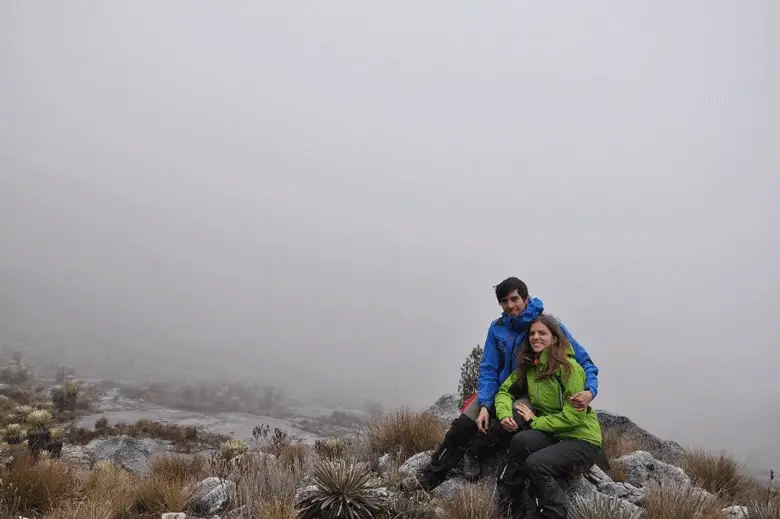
pixel 540 337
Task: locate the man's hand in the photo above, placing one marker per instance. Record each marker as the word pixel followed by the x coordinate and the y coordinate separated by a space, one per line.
pixel 509 424
pixel 581 400
pixel 525 412
pixel 483 419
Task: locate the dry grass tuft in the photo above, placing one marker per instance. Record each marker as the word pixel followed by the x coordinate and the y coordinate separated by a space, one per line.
pixel 83 509
pixel 472 502
pixel 30 486
pixel 181 469
pixel 617 444
pixel 721 475
pixel 405 432
pixel 267 488
pixel 293 455
pixel 414 505
pixel 765 510
pixel 157 495
pixel 674 502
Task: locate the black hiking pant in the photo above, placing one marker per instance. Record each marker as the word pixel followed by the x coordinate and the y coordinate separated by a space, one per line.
pixel 464 437
pixel 543 460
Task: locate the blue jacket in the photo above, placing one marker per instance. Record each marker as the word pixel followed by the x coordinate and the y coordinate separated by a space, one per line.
pixel 499 355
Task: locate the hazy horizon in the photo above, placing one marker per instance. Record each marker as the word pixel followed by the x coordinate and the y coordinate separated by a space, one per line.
pixel 323 196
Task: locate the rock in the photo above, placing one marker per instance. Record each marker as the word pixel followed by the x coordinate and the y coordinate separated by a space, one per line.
pixel 75 454
pixel 642 468
pixel 383 463
pixel 213 495
pixel 177 515
pixel 445 408
pixel 660 449
pixel 736 512
pixel 605 485
pixel 413 466
pixel 449 489
pixel 125 451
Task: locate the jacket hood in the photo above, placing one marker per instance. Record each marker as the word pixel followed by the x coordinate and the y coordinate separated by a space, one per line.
pixel 532 310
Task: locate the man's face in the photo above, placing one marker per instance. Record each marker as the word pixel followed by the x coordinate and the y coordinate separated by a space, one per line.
pixel 513 304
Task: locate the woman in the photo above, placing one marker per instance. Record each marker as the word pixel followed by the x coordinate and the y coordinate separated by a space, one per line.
pixel 556 439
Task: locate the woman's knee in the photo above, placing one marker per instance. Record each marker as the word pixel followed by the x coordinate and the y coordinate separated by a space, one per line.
pixel 526 442
pixel 538 464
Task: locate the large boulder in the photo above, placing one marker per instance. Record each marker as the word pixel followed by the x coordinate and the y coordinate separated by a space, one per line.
pixel 129 453
pixel 445 408
pixel 661 449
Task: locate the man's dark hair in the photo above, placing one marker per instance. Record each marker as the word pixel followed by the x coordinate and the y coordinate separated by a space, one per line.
pixel 507 286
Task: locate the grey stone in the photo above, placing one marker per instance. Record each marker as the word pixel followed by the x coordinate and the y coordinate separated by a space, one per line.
pixel 213 495
pixel 449 488
pixel 445 408
pixel 642 468
pixel 414 465
pixel 125 451
pixel 736 512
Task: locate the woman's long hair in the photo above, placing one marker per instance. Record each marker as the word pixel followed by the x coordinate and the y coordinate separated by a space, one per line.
pixel 557 356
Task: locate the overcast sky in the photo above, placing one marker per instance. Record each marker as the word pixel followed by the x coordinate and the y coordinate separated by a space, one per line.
pixel 323 196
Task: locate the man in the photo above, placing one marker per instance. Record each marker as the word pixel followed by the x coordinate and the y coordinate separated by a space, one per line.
pixel 476 430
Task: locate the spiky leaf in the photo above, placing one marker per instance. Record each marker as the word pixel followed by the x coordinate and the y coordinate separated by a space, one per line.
pixel 341 490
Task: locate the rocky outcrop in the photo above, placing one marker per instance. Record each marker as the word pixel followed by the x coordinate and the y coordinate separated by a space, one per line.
pixel 661 449
pixel 642 469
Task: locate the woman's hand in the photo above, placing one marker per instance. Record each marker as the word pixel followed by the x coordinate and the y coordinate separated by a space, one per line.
pixel 524 411
pixel 509 424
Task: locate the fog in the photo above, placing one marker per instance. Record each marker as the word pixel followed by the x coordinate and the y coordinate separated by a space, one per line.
pixel 322 196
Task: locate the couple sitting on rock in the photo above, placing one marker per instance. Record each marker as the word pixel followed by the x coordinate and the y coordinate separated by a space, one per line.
pixel 536 383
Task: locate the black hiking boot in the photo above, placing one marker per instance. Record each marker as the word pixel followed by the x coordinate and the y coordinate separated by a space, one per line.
pixel 471 467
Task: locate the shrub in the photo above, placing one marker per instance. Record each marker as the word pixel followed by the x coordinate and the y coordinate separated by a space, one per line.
pixel 763 510
pixel 330 447
pixel 30 487
pixel 232 448
pixel 617 443
pixel 720 475
pixel 268 488
pixel 158 494
pixel 674 502
pixel 293 455
pixel 472 502
pixel 405 432
pixel 469 375
pixel 342 490
pixel 38 419
pixel 172 467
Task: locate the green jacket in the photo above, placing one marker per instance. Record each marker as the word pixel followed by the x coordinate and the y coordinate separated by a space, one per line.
pixel 550 401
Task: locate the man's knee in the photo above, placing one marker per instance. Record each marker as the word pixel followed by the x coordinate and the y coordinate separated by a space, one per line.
pixel 522 400
pixel 472 410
